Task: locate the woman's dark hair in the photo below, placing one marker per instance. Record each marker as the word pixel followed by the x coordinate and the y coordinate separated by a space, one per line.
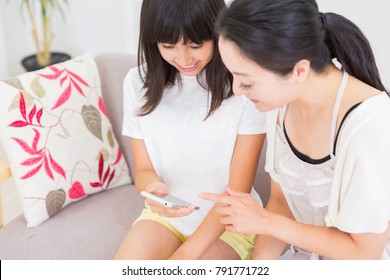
pixel 169 21
pixel 276 34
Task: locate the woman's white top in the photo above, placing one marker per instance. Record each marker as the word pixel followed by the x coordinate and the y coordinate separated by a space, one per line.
pixel 351 189
pixel 191 155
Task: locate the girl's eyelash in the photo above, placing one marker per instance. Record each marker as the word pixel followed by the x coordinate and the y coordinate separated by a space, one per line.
pixel 196 46
pixel 167 47
pixel 191 46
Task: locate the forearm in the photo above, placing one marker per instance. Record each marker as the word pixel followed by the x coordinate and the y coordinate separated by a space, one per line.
pixel 202 239
pixel 269 247
pixel 244 163
pixel 328 242
pixel 142 178
pixel 144 173
pixel 278 223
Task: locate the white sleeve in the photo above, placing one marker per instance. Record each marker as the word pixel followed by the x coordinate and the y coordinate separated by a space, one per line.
pixel 252 120
pixel 362 176
pixel 131 104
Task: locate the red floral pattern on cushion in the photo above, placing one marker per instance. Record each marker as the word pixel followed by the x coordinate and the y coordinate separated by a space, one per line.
pixel 58 138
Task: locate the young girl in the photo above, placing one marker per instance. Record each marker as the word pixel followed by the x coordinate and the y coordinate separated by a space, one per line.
pixel 327 131
pixel 188 134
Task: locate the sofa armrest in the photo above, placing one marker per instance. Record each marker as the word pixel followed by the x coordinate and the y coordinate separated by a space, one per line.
pixel 5 173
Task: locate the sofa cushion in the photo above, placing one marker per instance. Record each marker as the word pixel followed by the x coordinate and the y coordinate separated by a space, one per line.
pixel 58 138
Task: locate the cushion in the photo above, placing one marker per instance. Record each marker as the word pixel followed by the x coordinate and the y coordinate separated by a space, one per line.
pixel 113 68
pixel 58 138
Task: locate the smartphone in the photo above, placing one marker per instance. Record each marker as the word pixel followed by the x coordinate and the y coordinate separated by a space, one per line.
pixel 169 201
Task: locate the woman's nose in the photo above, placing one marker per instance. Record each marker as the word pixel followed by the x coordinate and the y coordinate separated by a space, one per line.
pixel 236 88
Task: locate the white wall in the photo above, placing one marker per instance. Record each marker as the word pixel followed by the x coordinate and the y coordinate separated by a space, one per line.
pixel 90 25
pixel 3 57
pixel 102 25
pixel 372 18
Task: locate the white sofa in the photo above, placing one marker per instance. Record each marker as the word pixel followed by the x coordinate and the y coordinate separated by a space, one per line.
pixel 93 227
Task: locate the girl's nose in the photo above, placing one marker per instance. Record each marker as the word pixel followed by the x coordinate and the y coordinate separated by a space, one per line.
pixel 184 57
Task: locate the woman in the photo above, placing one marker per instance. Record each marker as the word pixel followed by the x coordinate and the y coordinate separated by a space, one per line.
pixel 327 131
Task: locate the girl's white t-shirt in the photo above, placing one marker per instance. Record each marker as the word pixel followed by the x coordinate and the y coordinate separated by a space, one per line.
pixel 190 154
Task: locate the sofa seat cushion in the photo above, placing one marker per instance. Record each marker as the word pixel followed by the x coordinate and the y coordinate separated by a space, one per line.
pixel 90 229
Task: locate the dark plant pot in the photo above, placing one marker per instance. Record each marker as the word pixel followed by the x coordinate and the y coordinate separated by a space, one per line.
pixel 30 63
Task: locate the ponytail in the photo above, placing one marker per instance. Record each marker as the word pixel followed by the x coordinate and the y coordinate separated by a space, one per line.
pixel 347 43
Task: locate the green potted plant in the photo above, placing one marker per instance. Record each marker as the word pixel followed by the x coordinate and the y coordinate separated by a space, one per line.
pixel 39 13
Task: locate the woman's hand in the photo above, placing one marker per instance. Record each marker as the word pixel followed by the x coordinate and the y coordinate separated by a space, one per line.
pixel 161 190
pixel 240 212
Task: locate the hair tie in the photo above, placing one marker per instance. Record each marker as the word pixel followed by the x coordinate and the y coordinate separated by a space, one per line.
pixel 323 18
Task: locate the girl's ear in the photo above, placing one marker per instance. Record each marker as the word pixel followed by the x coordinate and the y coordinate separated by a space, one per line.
pixel 301 71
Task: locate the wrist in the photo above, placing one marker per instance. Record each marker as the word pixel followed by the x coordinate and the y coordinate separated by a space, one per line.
pixel 183 254
pixel 268 222
pixel 156 186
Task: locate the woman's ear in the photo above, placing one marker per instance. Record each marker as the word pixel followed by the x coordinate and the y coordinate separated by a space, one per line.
pixel 301 71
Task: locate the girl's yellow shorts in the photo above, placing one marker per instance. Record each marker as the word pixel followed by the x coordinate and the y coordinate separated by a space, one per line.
pixel 243 244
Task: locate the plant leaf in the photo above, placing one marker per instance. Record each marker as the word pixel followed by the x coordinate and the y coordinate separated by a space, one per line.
pixel 19 124
pixel 76 191
pixel 78 88
pixel 106 174
pixel 102 107
pixel 28 100
pixel 111 176
pixel 37 88
pixel 56 75
pixel 39 115
pixel 118 157
pixel 32 161
pixel 25 146
pixel 78 78
pixel 101 164
pixel 63 79
pixel 31 172
pixel 95 184
pixel 110 138
pixel 63 98
pixel 55 69
pixel 56 167
pixel 105 154
pixel 92 120
pixel 54 201
pixel 15 82
pixel 32 113
pixel 47 169
pixel 22 106
pixel 36 139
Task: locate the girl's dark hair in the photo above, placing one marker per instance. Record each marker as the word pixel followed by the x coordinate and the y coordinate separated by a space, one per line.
pixel 168 21
pixel 276 34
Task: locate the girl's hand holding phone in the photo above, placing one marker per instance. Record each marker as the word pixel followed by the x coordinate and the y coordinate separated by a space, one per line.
pixel 160 190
